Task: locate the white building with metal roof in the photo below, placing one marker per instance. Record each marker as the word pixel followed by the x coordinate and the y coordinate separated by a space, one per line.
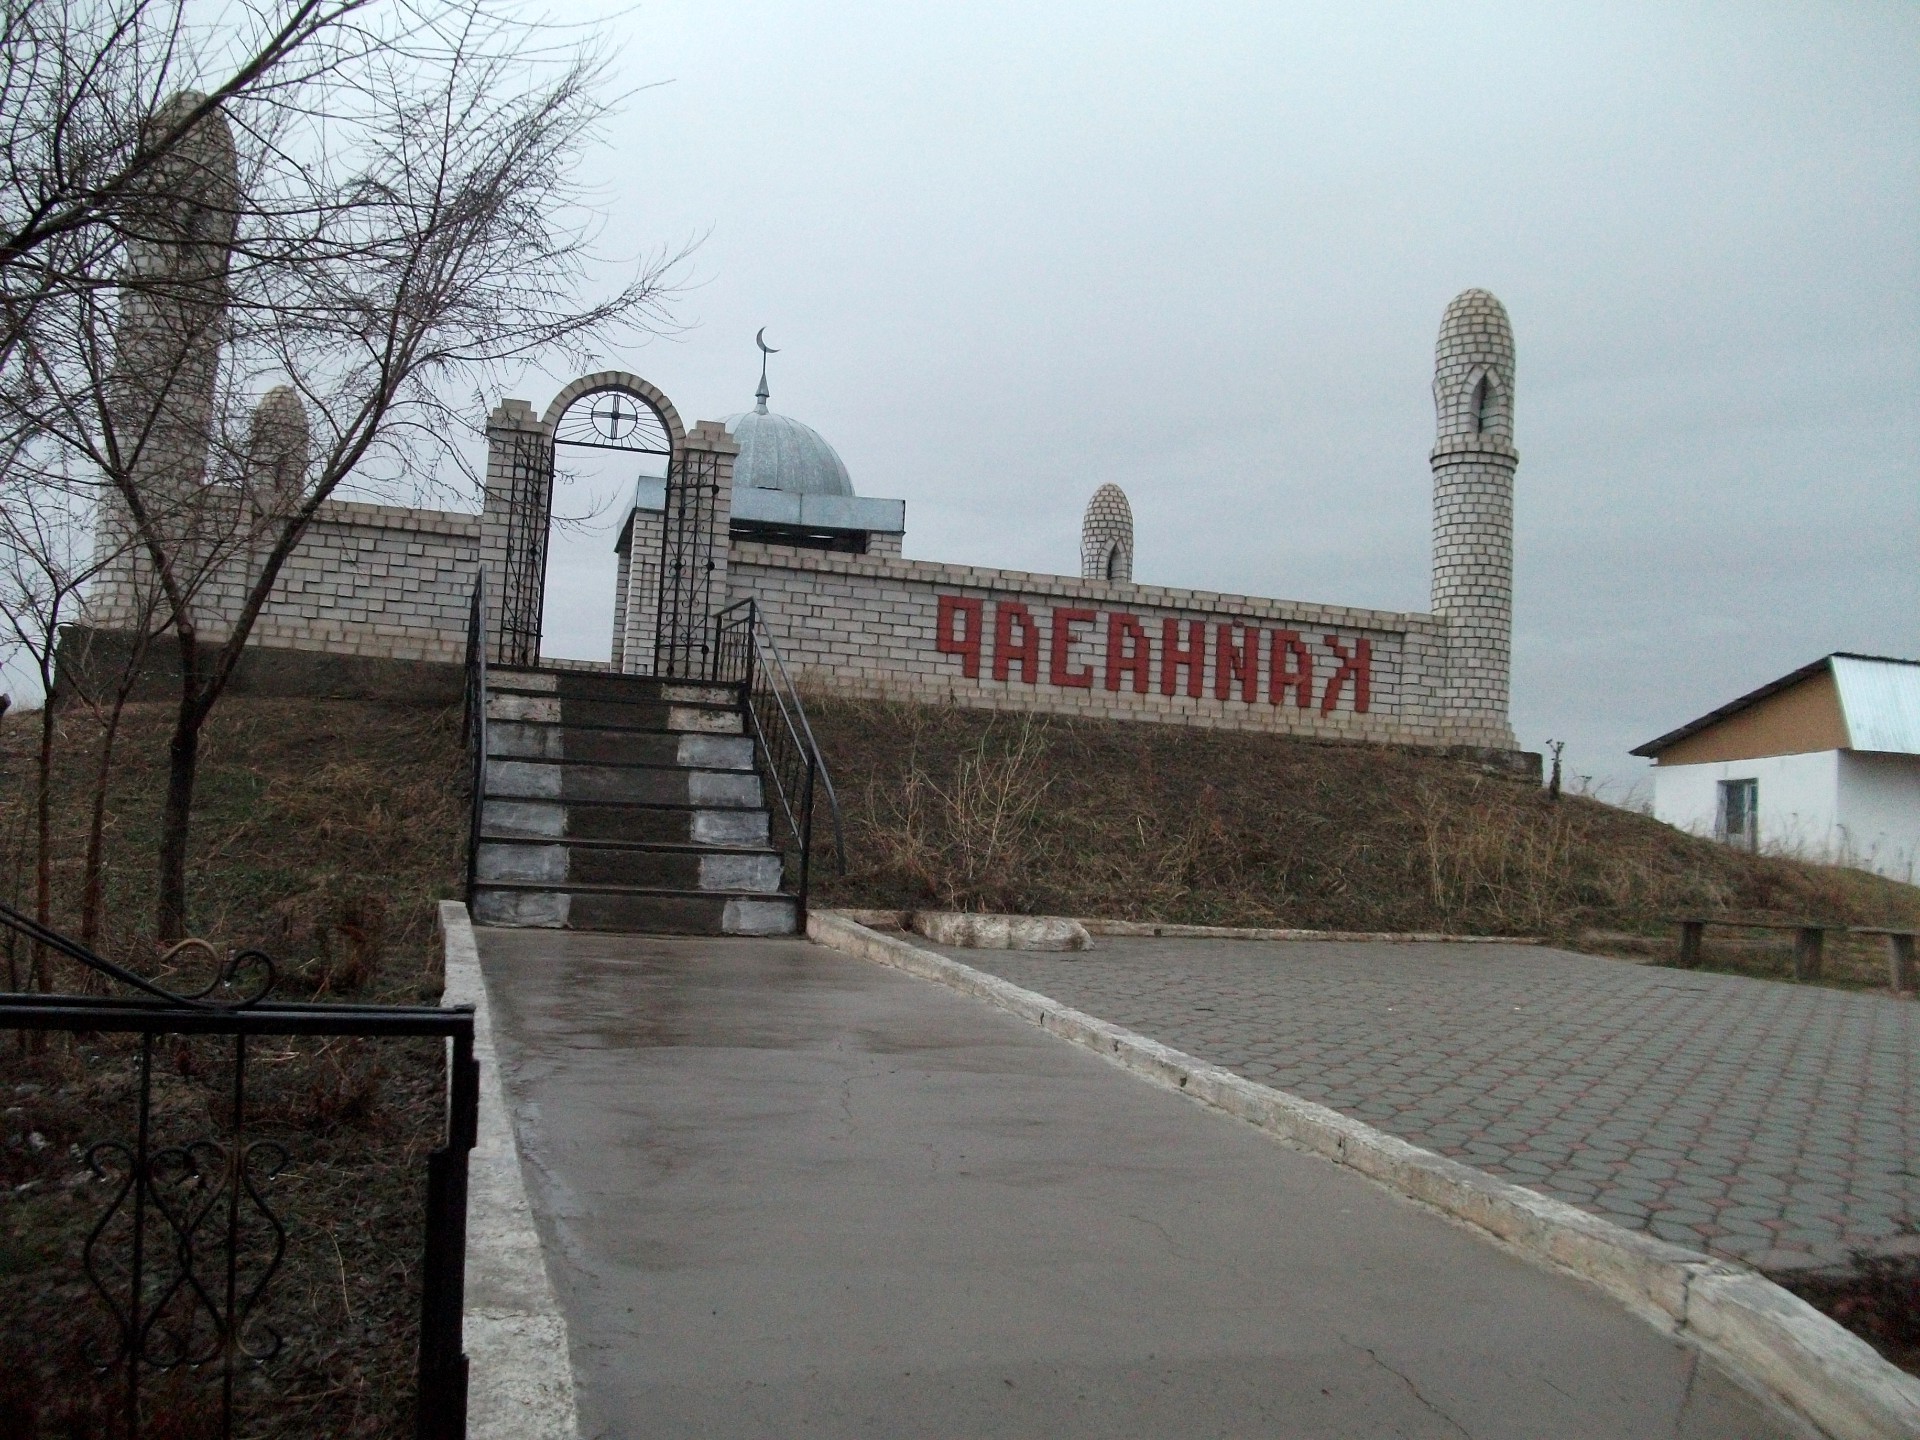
pixel 1823 763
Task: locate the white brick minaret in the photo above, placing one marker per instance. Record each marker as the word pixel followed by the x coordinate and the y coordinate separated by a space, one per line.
pixel 1473 464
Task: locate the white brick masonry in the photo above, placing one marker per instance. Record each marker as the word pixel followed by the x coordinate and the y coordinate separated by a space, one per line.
pixel 872 625
pixel 1106 536
pixel 1473 463
pixel 391 582
pixel 367 580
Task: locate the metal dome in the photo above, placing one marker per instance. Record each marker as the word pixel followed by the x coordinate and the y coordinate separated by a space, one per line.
pixel 779 453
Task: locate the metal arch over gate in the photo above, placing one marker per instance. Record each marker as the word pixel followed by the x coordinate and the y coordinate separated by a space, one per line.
pixel 611 410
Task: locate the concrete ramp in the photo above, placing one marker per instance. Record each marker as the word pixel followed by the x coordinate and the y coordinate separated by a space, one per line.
pixel 786 1193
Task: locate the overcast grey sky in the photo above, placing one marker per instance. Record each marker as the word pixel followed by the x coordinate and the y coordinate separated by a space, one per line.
pixel 1013 251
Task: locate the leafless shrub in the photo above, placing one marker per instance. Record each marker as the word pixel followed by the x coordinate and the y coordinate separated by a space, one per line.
pixel 1159 822
pixel 965 831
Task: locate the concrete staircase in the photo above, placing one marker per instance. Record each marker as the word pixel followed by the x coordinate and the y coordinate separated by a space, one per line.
pixel 624 803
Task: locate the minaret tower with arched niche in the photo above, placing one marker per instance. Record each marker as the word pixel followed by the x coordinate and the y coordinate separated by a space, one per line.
pixel 1106 537
pixel 1473 464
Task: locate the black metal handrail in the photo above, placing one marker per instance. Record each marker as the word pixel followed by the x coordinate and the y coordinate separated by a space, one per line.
pixel 188 1292
pixel 744 654
pixel 473 726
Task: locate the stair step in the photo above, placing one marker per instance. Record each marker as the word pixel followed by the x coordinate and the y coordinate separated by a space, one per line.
pixel 649 715
pixel 640 823
pixel 526 740
pixel 656 911
pixel 630 784
pixel 619 689
pixel 570 865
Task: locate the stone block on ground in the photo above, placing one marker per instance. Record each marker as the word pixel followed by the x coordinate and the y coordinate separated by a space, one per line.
pixel 1001 932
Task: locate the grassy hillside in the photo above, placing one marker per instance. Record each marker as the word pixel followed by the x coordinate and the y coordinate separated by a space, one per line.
pixel 974 810
pixel 321 828
pixel 323 832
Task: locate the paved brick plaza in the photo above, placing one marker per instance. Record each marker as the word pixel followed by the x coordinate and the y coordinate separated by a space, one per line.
pixel 1771 1122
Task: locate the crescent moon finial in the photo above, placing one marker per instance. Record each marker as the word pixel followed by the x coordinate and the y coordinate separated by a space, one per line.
pixel 760 395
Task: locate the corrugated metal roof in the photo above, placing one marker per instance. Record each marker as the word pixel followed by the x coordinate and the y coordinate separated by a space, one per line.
pixel 1881 700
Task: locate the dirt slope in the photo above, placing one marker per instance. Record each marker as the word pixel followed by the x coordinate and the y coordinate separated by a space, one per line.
pixel 973 810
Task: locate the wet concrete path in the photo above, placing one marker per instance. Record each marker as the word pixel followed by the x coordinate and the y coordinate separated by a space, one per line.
pixel 786 1193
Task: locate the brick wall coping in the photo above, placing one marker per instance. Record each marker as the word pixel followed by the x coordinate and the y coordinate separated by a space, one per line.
pixel 398 517
pixel 1100 593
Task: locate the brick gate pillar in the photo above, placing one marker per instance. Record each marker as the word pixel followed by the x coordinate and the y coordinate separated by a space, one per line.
pixel 513 529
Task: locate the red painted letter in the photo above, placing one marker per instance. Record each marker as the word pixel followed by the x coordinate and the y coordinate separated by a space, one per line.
pixel 1006 615
pixel 1130 660
pixel 1358 666
pixel 1236 662
pixel 957 632
pixel 1058 671
pixel 1193 659
pixel 1282 677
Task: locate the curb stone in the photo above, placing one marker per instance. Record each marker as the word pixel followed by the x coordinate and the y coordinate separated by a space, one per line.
pixel 520 1384
pixel 1154 930
pixel 1771 1340
pixel 1148 929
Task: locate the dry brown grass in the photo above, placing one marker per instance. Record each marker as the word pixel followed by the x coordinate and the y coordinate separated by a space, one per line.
pixel 323 831
pixel 977 810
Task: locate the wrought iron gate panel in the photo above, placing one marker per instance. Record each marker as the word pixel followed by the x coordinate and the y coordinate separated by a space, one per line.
pixel 529 513
pixel 683 640
pixel 187 1241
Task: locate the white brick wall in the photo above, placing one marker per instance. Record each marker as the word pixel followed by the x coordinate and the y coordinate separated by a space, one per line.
pixel 390 582
pixel 371 580
pixel 868 625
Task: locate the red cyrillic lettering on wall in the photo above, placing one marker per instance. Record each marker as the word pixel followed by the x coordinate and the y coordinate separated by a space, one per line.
pixel 1058 670
pixel 957 632
pixel 1289 667
pixel 1130 659
pixel 1174 658
pixel 1008 614
pixel 1358 667
pixel 1233 662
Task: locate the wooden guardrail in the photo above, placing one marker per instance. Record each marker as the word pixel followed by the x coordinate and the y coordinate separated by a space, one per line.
pixel 1809 944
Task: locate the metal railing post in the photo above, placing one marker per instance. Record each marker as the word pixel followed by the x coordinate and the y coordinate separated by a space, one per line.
pixel 442 1407
pixel 476 726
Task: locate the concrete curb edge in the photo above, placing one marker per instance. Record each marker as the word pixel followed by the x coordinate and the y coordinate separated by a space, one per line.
pixel 1153 929
pixel 520 1384
pixel 1770 1339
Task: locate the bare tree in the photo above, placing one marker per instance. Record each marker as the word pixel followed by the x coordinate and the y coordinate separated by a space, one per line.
pixel 368 234
pixel 45 561
pixel 101 672
pixel 81 82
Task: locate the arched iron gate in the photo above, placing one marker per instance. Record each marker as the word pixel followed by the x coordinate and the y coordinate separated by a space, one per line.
pixel 613 415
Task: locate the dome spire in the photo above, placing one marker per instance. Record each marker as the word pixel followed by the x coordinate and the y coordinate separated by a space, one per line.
pixel 760 395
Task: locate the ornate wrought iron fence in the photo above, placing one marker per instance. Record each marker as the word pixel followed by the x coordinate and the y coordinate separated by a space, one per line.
pixel 688 536
pixel 187 1245
pixel 473 729
pixel 529 517
pixel 744 654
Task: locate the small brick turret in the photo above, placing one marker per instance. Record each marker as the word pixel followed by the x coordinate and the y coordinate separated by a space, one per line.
pixel 1106 537
pixel 1473 464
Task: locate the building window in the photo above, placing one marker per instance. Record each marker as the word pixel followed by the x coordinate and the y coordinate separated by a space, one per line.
pixel 1739 819
pixel 1113 563
pixel 1483 407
